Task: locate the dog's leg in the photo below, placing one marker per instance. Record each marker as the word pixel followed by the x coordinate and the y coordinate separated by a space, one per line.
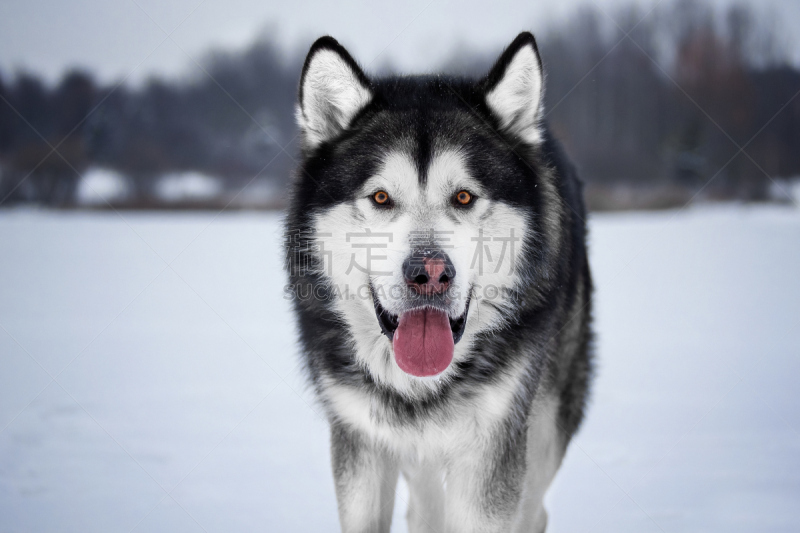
pixel 545 449
pixel 365 476
pixel 484 484
pixel 426 501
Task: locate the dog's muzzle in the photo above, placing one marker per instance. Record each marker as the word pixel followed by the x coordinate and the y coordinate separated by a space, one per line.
pixel 423 337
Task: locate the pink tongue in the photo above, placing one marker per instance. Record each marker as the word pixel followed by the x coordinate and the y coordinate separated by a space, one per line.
pixel 423 342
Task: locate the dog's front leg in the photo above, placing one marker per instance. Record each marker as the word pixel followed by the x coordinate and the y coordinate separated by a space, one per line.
pixel 484 485
pixel 365 475
pixel 426 498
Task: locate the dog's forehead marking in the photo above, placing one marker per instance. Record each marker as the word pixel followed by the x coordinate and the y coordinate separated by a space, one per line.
pixel 399 172
pixel 448 170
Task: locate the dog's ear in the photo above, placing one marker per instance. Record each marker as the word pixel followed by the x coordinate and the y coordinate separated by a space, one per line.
pixel 333 89
pixel 514 89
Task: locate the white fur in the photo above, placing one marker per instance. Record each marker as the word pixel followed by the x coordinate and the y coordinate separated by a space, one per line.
pixel 426 503
pixel 366 493
pixel 332 96
pixel 545 451
pixel 517 97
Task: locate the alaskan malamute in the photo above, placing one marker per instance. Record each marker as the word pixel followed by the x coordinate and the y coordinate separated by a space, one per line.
pixel 436 253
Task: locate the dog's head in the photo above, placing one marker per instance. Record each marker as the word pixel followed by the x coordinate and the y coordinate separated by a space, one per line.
pixel 422 204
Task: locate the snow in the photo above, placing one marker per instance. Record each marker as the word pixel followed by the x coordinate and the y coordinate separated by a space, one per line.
pixel 187 186
pixel 259 192
pixel 100 185
pixel 149 378
pixel 785 190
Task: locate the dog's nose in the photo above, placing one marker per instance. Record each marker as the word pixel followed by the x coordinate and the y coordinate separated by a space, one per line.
pixel 428 272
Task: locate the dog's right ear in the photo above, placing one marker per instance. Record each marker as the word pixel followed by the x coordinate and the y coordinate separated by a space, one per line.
pixel 333 89
pixel 514 89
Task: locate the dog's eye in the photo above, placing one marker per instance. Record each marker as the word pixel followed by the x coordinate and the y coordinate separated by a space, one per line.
pixel 381 198
pixel 463 198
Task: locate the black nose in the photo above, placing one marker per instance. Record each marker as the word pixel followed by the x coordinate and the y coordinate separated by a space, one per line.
pixel 428 271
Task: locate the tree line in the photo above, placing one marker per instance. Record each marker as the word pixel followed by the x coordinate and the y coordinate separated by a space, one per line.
pixel 683 100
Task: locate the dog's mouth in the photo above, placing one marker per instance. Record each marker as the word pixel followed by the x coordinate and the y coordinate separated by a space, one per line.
pixel 423 338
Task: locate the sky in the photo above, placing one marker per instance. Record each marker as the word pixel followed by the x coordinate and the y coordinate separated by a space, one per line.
pixel 132 40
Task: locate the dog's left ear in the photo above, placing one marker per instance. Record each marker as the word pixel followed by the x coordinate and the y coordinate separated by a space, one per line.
pixel 333 89
pixel 514 89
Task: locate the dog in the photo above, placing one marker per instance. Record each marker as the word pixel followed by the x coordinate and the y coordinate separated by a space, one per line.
pixel 437 263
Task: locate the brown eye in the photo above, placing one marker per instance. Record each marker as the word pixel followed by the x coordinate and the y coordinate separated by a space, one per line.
pixel 381 198
pixel 463 198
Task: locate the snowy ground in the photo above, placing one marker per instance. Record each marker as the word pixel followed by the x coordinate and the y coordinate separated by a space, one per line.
pixel 149 378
